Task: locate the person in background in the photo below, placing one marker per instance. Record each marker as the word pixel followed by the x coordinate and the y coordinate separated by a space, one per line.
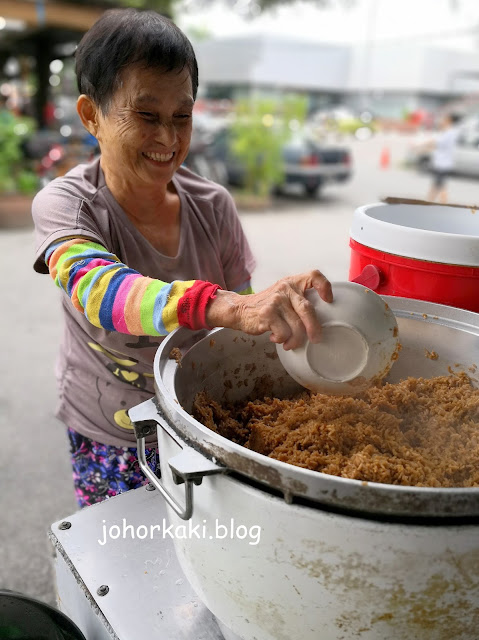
pixel 442 161
pixel 140 245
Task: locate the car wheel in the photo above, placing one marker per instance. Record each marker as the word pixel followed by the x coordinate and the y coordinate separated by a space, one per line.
pixel 312 191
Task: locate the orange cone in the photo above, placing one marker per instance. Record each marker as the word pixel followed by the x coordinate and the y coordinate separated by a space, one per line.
pixel 385 159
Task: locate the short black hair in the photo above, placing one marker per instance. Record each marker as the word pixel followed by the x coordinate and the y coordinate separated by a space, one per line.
pixel 122 37
pixel 455 117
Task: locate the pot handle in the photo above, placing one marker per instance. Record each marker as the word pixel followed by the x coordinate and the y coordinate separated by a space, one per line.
pixel 187 467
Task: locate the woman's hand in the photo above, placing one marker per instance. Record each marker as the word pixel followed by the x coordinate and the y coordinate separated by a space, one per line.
pixel 281 309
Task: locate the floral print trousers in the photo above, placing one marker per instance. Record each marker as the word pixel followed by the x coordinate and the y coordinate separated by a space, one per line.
pixel 102 471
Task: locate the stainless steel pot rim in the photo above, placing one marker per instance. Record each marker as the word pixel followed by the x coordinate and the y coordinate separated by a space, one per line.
pixel 314 485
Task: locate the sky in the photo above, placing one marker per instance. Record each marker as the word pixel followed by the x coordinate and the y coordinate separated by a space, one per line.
pixel 426 21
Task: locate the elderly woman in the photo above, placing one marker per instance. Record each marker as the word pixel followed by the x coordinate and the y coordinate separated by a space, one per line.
pixel 140 245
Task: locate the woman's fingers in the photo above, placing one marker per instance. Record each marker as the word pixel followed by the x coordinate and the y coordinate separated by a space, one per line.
pixel 280 331
pixel 288 314
pixel 322 285
pixel 296 331
pixel 306 319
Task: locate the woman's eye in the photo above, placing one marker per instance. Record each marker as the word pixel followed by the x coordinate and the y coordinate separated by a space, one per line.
pixel 184 116
pixel 146 114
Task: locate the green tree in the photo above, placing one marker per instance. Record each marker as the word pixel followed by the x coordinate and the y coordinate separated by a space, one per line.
pixel 259 132
pixel 172 7
pixel 166 7
pixel 264 5
pixel 14 176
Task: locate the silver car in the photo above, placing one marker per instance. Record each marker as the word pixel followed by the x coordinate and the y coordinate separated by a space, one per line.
pixel 465 155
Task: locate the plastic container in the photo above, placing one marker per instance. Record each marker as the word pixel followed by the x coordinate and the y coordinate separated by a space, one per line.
pixel 424 252
pixel 25 618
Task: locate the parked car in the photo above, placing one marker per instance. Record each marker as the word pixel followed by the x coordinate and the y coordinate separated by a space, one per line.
pixel 465 154
pixel 305 162
pixel 313 165
pixel 202 157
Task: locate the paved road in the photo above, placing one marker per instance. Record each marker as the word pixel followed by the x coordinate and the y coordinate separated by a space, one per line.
pixel 35 485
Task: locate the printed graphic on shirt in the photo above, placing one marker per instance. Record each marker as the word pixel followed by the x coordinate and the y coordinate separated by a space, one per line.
pixel 118 418
pixel 118 367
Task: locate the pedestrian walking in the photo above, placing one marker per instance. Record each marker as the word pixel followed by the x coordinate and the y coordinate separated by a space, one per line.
pixel 442 162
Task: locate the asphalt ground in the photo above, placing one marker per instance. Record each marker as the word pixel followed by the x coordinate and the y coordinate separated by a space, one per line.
pixel 35 478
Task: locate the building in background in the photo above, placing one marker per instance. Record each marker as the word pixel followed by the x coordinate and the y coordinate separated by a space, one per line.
pixel 387 79
pixel 391 80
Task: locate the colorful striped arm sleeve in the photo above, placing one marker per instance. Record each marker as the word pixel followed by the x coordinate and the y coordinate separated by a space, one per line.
pixel 116 298
pixel 244 289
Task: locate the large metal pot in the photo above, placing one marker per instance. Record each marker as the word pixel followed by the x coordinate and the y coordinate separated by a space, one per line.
pixel 337 559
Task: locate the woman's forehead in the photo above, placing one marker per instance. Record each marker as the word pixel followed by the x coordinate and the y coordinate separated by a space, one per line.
pixel 151 83
pixel 146 99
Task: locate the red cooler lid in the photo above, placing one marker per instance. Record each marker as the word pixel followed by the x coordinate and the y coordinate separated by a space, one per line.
pixel 448 235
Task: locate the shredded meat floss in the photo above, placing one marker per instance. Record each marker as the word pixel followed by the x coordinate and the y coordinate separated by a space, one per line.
pixel 418 432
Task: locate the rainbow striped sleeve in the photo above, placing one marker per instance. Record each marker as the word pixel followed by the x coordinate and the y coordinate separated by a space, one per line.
pixel 117 298
pixel 244 289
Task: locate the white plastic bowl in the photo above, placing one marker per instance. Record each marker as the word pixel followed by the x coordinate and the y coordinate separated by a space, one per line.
pixel 359 342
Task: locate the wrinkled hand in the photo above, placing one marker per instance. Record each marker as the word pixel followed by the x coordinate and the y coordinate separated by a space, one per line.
pixel 281 309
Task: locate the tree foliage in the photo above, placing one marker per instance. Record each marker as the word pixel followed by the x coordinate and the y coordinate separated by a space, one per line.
pixel 14 176
pixel 264 5
pixel 261 128
pixel 248 7
pixel 166 7
pixel 251 8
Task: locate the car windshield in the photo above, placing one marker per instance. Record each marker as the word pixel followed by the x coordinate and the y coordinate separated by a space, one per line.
pixel 299 139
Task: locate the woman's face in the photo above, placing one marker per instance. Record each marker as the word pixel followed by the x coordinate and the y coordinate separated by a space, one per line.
pixel 146 134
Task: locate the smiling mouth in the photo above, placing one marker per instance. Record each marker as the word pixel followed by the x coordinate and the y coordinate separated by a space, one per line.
pixel 158 157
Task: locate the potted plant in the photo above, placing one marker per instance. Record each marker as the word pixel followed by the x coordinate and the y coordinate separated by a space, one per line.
pixel 18 181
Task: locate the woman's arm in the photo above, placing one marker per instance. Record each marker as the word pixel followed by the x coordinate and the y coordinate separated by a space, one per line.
pixel 117 298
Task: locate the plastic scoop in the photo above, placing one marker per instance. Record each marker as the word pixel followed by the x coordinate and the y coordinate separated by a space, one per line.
pixel 359 342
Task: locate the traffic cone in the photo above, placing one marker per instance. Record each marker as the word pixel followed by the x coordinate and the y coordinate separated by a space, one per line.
pixel 385 159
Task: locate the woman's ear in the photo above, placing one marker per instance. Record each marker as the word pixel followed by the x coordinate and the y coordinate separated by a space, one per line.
pixel 88 112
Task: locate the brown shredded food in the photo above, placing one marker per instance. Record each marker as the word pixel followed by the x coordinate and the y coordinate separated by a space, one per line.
pixel 175 354
pixel 418 432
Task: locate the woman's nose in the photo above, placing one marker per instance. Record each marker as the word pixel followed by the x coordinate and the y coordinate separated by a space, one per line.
pixel 166 134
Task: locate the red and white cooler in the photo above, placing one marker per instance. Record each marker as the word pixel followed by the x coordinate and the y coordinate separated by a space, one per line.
pixel 421 251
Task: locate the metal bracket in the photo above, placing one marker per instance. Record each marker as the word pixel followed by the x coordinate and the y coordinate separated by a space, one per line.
pixel 143 419
pixel 187 467
pixel 191 465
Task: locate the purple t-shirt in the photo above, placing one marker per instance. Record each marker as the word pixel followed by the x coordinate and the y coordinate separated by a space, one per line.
pixel 101 374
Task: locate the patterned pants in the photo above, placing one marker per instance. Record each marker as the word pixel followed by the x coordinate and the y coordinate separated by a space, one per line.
pixel 101 471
